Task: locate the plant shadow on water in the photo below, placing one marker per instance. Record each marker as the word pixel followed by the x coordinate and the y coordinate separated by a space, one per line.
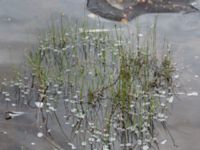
pixel 95 87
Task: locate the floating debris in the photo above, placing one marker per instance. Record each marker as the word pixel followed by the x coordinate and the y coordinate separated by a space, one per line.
pixel 75 96
pixel 106 147
pixel 161 117
pixel 39 104
pixel 162 105
pixel 52 108
pixel 66 100
pixel 76 132
pixel 7 99
pixel 13 105
pixel 91 140
pixel 196 57
pixel 67 123
pixel 72 146
pixel 7 94
pixel 180 93
pixel 49 130
pixel 176 76
pixel 194 3
pixel 139 142
pixel 12 114
pixel 163 141
pixel 59 92
pixel 131 128
pixel 128 144
pixel 73 110
pixel 145 147
pixel 171 99
pixel 98 140
pixel 112 139
pixel 80 115
pixel 40 134
pixel 32 143
pixel 67 70
pixel 55 85
pixel 192 94
pixel 91 15
pixel 140 35
pixel 83 143
pixel 94 30
pixel 5 132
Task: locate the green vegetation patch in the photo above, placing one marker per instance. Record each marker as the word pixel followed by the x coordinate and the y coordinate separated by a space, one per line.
pixel 106 89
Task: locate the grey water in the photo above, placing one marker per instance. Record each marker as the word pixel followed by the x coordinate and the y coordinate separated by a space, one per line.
pixel 20 24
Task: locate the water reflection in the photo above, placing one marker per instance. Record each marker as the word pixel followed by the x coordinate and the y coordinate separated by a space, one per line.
pixel 19 21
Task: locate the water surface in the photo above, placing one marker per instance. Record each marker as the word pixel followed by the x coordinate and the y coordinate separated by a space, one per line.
pixel 20 24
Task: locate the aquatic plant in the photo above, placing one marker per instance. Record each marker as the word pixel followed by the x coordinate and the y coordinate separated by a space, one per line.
pixel 103 91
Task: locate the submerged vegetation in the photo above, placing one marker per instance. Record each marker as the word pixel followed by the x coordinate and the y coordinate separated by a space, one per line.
pixel 103 91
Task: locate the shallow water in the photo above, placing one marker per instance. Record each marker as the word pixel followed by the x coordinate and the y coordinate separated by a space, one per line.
pixel 20 24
